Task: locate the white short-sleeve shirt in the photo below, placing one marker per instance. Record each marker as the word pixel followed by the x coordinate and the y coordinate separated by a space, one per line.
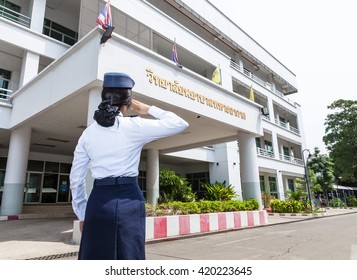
pixel 115 151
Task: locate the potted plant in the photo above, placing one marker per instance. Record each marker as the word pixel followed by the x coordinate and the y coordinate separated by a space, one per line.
pixel 266 198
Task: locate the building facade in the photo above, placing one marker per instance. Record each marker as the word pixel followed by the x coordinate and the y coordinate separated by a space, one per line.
pixel 244 128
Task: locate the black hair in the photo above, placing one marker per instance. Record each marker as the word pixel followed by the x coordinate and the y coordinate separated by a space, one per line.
pixel 112 101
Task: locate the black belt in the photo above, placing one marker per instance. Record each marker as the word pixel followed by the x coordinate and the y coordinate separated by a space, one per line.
pixel 115 181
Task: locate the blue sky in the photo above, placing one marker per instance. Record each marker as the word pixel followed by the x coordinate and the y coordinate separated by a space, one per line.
pixel 315 40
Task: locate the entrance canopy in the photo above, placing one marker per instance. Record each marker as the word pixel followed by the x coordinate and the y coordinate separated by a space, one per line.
pixel 55 103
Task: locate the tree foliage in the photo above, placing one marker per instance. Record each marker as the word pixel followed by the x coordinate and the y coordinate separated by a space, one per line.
pixel 341 138
pixel 300 193
pixel 174 188
pixel 323 169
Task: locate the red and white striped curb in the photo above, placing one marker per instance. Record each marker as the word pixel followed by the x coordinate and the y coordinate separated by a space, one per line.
pixel 185 225
pixel 297 214
pixel 7 218
pixel 173 226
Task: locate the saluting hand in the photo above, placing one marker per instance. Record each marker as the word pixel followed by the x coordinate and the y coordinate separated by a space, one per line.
pixel 139 107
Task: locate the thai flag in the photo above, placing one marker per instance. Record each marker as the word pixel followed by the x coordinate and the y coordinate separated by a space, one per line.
pixel 174 57
pixel 105 17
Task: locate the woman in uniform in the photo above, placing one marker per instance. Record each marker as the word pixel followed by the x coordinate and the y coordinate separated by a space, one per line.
pixel 112 221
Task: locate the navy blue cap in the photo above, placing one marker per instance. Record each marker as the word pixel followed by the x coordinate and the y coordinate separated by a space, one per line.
pixel 117 80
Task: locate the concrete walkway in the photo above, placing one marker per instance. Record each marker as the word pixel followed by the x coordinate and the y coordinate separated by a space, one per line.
pixel 51 238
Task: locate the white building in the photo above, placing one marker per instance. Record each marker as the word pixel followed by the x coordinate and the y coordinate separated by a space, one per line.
pixel 52 67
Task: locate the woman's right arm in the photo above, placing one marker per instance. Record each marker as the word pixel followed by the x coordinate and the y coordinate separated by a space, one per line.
pixel 166 123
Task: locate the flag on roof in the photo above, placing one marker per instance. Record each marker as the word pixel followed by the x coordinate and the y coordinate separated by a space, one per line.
pixel 251 94
pixel 104 19
pixel 174 56
pixel 216 76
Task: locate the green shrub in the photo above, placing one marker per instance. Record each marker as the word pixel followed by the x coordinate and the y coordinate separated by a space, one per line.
pixel 337 203
pixel 291 206
pixel 251 204
pixel 219 191
pixel 174 187
pixel 203 206
pixel 207 206
pixel 351 201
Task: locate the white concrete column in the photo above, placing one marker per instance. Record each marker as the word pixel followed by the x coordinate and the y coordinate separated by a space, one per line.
pixel 29 69
pixel 281 149
pixel 37 14
pixel 95 98
pixel 285 184
pixel 271 110
pixel 280 185
pixel 226 76
pixel 274 138
pixel 271 81
pixel 249 168
pixel 238 59
pixel 226 167
pixel 15 176
pixel 152 177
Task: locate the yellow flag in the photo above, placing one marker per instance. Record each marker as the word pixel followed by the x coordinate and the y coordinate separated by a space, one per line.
pixel 251 95
pixel 216 76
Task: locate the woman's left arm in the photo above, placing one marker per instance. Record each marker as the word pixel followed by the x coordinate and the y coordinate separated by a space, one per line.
pixel 77 179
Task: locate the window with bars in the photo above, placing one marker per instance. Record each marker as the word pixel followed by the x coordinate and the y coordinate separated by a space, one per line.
pixel 9 10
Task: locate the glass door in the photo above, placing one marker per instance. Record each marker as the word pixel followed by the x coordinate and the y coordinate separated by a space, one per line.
pixel 49 190
pixel 63 189
pixel 33 187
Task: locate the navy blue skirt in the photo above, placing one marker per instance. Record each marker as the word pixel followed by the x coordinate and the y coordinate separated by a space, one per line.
pixel 114 226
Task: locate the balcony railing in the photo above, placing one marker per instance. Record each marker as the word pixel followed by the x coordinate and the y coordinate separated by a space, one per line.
pixel 265 153
pixel 14 16
pixel 291 159
pixel 287 126
pixel 259 81
pixel 5 95
pixel 282 157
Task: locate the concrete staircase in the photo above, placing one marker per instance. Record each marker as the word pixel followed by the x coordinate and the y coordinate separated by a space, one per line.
pixel 34 211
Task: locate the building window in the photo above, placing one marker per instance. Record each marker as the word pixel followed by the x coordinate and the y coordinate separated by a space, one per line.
pixel 262 184
pixel 291 185
pixel 286 152
pixel 5 76
pixel 268 146
pixel 35 165
pixel 197 180
pixel 282 121
pixel 59 32
pixel 273 187
pixel 2 175
pixel 132 29
pixel 257 142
